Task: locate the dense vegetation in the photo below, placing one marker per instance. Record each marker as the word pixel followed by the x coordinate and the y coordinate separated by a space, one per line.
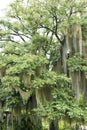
pixel 43 65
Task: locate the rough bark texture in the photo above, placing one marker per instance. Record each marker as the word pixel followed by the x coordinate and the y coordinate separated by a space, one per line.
pixel 84 77
pixel 53 125
pixel 1 116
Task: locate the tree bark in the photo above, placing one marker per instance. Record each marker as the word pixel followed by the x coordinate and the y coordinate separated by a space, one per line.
pixel 1 116
pixel 53 125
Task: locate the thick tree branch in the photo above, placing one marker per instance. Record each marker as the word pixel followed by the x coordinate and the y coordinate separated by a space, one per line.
pixel 53 32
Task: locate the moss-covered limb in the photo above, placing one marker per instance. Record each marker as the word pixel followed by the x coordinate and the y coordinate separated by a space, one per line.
pixel 71 45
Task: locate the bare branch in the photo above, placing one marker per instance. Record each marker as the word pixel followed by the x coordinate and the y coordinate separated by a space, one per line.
pixel 8 40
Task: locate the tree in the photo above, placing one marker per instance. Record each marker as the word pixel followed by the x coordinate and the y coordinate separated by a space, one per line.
pixel 36 40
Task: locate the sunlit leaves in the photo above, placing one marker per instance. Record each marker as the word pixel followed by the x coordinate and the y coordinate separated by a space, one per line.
pixel 77 63
pixel 50 78
pixel 63 106
pixel 10 81
pixel 75 112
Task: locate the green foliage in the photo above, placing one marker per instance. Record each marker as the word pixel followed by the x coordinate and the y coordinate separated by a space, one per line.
pixel 52 79
pixel 64 106
pixel 54 53
pixel 14 100
pixel 77 63
pixel 84 26
pixel 49 77
pixel 62 99
pixel 12 81
pixel 41 42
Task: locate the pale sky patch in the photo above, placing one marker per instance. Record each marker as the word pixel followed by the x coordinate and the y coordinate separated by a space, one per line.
pixel 3 6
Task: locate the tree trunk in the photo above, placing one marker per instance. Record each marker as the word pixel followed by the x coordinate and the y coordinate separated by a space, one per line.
pixel 7 121
pixel 35 119
pixel 1 116
pixel 84 79
pixel 76 80
pixel 53 125
pixel 65 53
